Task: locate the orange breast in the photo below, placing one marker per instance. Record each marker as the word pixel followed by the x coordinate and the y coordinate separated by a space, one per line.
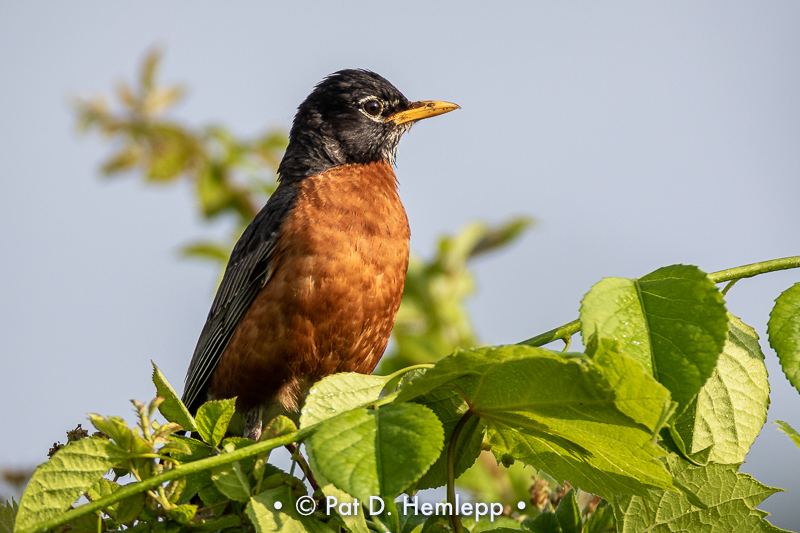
pixel 330 305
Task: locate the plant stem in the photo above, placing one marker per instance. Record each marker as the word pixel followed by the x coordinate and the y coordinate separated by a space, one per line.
pixel 748 271
pixel 451 472
pixel 729 274
pixel 294 449
pixel 175 472
pixel 730 284
pixel 561 332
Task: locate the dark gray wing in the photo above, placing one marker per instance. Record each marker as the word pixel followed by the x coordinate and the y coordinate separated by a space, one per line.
pixel 249 269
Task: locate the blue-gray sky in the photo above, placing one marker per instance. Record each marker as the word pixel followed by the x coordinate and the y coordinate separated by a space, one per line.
pixel 639 134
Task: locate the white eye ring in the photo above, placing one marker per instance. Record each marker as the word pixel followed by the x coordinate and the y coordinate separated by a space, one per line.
pixel 370 109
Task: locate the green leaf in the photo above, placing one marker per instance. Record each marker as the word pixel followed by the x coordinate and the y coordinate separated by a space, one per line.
pixel 117 429
pixel 89 523
pixel 731 408
pixel 790 431
pixel 277 427
pixel 274 511
pixel 352 518
pixel 213 191
pixel 182 514
pixel 125 159
pixel 129 509
pixel 171 153
pixel 209 250
pixel 542 523
pixel 731 498
pixel 448 406
pixel 601 521
pixel 500 235
pixel 213 418
pixel 231 481
pixel 104 487
pixel 172 407
pixel 569 514
pixel 673 321
pixel 590 422
pixel 58 483
pixel 197 449
pixel 8 512
pixel 210 495
pixel 339 393
pixel 377 452
pixel 408 521
pixel 784 332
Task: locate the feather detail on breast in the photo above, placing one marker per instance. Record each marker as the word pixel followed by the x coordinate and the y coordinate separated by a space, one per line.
pixel 338 272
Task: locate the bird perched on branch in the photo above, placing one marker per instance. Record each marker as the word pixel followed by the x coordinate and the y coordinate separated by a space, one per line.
pixel 314 283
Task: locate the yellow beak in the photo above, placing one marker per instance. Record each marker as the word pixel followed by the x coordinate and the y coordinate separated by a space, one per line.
pixel 422 109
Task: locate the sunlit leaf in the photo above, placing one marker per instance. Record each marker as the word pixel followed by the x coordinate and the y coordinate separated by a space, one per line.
pixel 172 408
pixel 673 321
pixel 591 423
pixel 213 418
pixel 784 332
pixel 731 498
pixel 377 452
pixel 731 408
pixel 339 393
pixel 58 483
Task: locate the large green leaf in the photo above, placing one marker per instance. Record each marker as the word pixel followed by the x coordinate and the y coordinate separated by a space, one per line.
pixel 672 320
pixel 213 418
pixel 731 408
pixel 171 408
pixel 731 498
pixel 339 393
pixel 377 452
pixel 784 332
pixel 58 483
pixel 591 422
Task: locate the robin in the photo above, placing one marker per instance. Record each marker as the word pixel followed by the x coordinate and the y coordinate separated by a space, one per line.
pixel 314 283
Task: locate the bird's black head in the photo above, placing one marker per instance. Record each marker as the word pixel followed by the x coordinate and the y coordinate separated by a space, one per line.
pixel 352 116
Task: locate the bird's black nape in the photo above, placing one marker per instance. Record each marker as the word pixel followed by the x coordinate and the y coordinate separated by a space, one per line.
pixel 343 121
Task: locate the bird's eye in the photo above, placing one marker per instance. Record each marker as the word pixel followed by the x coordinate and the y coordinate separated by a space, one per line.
pixel 372 108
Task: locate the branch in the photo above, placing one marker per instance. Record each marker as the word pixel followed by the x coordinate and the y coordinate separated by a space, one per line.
pixel 176 472
pixel 748 271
